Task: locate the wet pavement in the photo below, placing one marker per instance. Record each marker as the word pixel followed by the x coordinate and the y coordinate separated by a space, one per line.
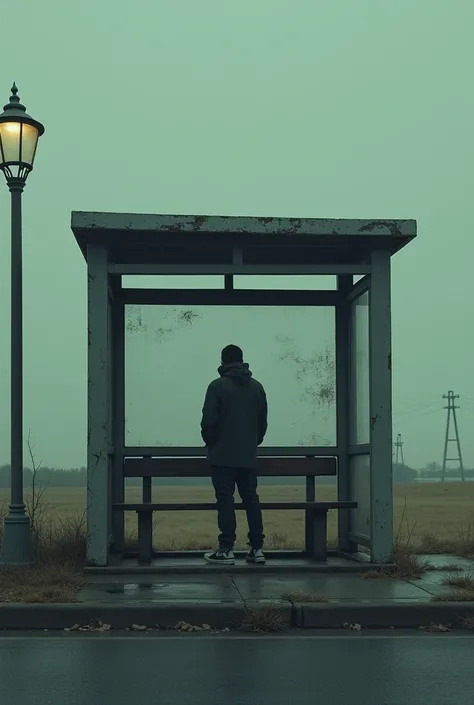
pixel 233 585
pixel 193 562
pixel 379 669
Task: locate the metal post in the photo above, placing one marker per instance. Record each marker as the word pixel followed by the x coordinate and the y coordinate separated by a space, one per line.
pixel 380 376
pixel 16 547
pixel 16 162
pixel 118 416
pixel 343 323
pixel 309 516
pixel 98 499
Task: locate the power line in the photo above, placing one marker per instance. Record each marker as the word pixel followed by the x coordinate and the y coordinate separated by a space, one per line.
pixel 451 397
pixel 427 413
pixel 416 408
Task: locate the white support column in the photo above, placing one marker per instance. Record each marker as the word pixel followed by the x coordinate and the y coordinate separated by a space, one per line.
pixel 381 491
pixel 97 408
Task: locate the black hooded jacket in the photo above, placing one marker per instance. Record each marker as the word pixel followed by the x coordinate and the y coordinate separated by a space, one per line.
pixel 234 417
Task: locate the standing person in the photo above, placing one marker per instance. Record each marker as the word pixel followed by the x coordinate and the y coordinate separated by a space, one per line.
pixel 234 423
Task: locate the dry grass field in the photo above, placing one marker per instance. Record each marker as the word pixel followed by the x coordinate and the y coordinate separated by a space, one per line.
pixel 430 514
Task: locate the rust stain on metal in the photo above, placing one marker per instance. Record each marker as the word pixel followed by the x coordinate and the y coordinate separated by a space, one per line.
pixel 199 221
pixel 373 421
pixel 296 224
pixel 287 231
pixel 392 225
pixel 173 228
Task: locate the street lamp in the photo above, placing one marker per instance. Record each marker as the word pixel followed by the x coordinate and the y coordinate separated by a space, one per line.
pixel 19 135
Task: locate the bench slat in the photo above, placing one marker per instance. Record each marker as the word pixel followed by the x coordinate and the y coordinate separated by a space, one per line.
pixel 199 467
pixel 193 506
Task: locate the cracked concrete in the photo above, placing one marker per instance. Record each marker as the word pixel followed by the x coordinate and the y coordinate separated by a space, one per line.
pixel 234 585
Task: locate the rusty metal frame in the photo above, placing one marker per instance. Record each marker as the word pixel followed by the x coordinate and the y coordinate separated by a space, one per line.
pixel 197 225
pixel 237 269
pixel 228 297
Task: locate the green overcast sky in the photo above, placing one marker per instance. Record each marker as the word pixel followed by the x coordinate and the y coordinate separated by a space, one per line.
pixel 343 108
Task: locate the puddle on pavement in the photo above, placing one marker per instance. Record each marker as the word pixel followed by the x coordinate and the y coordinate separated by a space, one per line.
pixel 132 588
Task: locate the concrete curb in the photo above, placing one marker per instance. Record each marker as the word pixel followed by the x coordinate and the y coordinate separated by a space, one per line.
pixel 20 616
pixel 401 615
pixel 218 615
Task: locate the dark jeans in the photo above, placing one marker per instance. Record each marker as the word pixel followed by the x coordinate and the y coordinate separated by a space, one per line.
pixel 224 481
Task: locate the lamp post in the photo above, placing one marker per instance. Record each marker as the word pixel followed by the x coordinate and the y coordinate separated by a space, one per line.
pixel 19 135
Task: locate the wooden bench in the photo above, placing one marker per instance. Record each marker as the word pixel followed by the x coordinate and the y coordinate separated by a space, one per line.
pixel 308 467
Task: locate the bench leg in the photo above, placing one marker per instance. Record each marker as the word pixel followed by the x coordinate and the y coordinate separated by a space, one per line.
pixel 145 536
pixel 310 497
pixel 319 535
pixel 309 533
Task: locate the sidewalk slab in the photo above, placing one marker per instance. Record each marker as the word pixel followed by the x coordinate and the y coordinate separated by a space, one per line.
pixel 225 587
pixel 169 588
pixel 447 559
pixel 432 582
pixel 342 587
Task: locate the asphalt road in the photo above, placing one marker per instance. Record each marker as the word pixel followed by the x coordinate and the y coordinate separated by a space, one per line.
pixel 426 669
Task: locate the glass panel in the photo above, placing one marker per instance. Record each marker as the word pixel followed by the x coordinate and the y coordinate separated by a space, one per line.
pixel 359 468
pixel 172 353
pixel 10 134
pixel 360 407
pixel 28 144
pixel 172 282
pixel 298 282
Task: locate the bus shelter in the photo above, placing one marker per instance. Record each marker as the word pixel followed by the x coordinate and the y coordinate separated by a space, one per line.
pixel 355 254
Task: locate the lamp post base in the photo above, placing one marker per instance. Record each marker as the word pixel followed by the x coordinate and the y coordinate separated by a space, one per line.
pixel 17 548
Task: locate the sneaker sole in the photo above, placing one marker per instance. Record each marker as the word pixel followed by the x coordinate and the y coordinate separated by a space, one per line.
pixel 255 560
pixel 226 561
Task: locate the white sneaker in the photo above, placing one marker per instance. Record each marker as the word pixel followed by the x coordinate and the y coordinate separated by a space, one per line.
pixel 222 556
pixel 255 556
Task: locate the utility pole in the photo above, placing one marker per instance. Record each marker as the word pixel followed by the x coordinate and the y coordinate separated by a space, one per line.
pixel 451 397
pixel 399 450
